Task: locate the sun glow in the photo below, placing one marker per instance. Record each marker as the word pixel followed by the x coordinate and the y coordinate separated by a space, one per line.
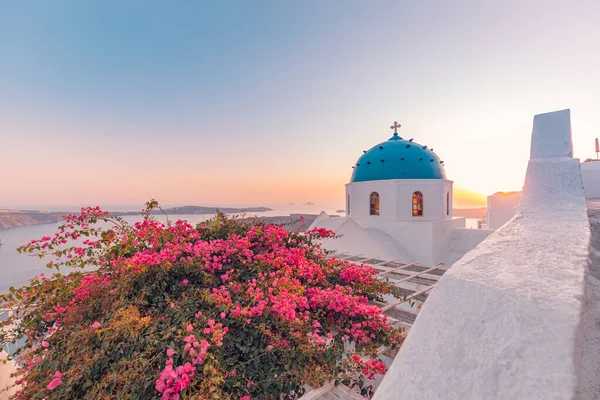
pixel 465 198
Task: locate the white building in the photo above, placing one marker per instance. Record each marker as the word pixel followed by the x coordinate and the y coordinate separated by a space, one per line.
pixel 502 206
pixel 590 174
pixel 399 206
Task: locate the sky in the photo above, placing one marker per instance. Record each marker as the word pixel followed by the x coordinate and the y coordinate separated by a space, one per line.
pixel 270 102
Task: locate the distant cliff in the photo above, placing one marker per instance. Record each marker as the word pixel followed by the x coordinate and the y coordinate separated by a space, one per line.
pixel 14 218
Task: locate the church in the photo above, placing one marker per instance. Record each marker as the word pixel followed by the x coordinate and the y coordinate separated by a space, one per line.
pixel 399 207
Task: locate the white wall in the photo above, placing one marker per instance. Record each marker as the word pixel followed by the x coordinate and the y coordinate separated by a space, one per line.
pixel 418 235
pixel 395 197
pixel 501 207
pixel 5 371
pixel 421 240
pixel 590 173
pixel 505 321
pixel 442 232
pixel 360 194
pixel 448 199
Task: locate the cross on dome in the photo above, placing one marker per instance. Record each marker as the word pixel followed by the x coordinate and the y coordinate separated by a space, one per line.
pixel 397 158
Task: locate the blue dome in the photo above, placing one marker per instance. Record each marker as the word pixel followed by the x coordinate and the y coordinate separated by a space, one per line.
pixel 398 159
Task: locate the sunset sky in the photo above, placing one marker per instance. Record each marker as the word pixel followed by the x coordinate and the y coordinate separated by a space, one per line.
pixel 270 102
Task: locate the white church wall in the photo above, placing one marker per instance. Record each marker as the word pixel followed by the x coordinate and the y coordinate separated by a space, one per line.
pixel 422 241
pixel 417 238
pixel 416 233
pixel 441 234
pixel 433 199
pixel 505 321
pixel 360 194
pixel 448 199
pixel 355 240
pixel 402 240
pixel 395 199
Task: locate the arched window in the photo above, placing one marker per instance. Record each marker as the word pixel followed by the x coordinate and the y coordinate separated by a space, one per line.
pixel 448 203
pixel 417 204
pixel 374 204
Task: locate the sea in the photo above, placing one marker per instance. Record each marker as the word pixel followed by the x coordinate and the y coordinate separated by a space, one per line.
pixel 16 269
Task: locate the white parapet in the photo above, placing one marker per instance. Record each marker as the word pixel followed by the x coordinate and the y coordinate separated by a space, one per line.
pixel 505 321
pixel 551 136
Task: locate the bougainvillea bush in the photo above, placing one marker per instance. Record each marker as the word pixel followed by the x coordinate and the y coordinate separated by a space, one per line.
pixel 228 309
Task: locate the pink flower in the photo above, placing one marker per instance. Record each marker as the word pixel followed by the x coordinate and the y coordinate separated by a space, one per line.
pixel 245 398
pixel 96 325
pixel 170 352
pixel 56 381
pixel 174 380
pixel 184 282
pixel 223 314
pixel 45 344
pixel 190 339
pixel 198 314
pixel 189 328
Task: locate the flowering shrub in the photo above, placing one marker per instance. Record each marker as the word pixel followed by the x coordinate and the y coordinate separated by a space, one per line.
pixel 227 309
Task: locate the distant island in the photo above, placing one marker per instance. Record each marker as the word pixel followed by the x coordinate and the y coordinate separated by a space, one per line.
pixel 309 204
pixel 340 211
pixel 198 210
pixel 15 218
